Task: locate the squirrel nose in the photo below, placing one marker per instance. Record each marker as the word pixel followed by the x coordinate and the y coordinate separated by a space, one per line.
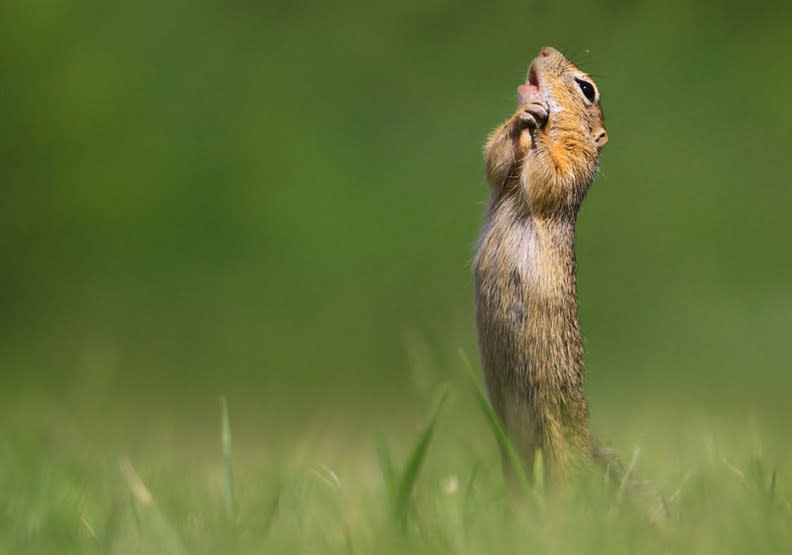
pixel 546 51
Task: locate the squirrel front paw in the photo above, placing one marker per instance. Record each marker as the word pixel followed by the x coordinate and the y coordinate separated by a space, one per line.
pixel 534 114
pixel 534 111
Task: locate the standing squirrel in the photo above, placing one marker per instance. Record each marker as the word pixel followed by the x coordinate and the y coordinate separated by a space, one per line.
pixel 539 165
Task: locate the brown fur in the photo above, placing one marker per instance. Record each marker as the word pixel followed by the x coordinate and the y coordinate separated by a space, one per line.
pixel 539 164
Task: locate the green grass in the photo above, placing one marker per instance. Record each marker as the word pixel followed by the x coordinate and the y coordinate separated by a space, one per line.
pixel 74 483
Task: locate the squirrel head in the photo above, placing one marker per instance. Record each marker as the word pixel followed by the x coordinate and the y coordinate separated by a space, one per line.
pixel 574 131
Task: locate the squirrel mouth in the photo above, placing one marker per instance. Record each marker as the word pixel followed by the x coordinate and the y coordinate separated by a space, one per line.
pixel 532 78
pixel 530 88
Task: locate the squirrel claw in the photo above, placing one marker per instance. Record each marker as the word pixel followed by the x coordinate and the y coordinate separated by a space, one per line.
pixel 533 114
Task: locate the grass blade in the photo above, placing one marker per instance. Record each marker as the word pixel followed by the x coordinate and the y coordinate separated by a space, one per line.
pixel 272 509
pixel 157 534
pixel 507 447
pixel 228 475
pixel 111 527
pixel 625 479
pixel 412 467
pixel 538 471
pixel 386 465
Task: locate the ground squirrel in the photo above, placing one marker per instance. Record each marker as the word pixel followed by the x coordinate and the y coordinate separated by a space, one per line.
pixel 539 165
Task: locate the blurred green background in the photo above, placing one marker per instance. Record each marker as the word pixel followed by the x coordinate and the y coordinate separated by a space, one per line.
pixel 279 201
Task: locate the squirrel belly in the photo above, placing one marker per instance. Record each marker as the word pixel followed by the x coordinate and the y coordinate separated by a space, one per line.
pixel 529 338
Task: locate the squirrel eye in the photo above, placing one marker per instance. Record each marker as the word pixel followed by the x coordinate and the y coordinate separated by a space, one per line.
pixel 587 88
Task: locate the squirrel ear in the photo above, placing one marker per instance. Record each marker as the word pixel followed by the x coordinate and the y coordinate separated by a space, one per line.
pixel 602 138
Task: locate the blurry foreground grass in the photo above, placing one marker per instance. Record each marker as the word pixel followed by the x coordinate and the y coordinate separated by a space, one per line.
pixel 374 482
